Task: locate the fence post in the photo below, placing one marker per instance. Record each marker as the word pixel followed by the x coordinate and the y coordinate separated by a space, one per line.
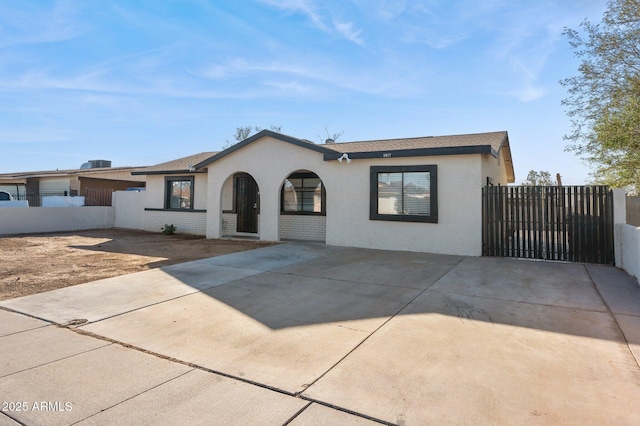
pixel 619 218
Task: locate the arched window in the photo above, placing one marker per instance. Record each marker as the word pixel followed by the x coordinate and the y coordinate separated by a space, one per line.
pixel 303 193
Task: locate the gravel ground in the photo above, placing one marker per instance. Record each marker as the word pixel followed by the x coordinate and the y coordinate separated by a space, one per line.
pixel 36 263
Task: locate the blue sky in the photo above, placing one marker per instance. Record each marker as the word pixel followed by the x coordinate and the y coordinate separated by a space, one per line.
pixel 143 82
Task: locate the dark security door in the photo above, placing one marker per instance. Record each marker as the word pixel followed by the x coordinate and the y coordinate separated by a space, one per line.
pixel 247 204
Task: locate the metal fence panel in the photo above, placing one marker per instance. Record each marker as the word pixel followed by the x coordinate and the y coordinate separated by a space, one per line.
pixel 572 223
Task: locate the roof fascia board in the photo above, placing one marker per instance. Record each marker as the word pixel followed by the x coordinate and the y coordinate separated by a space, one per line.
pixel 169 172
pixel 416 152
pixel 259 135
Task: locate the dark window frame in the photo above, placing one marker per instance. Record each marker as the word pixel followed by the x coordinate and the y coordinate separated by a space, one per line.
pixel 168 182
pixel 323 195
pixel 433 193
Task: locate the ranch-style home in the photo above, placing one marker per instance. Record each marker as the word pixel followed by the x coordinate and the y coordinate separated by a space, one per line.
pixel 415 194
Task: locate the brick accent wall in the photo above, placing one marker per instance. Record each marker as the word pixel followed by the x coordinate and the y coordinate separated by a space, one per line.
pixel 229 223
pixel 302 227
pixel 185 222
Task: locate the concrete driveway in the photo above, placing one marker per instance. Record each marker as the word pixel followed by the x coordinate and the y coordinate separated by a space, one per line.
pixel 309 334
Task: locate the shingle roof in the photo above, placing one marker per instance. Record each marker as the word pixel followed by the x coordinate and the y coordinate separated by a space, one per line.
pixel 181 165
pixel 493 139
pixel 68 172
pixel 477 143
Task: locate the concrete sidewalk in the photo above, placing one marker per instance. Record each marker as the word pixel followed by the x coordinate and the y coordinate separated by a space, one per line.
pixel 312 334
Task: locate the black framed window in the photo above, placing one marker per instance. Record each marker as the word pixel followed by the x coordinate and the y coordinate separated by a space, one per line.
pixel 404 193
pixel 178 193
pixel 303 193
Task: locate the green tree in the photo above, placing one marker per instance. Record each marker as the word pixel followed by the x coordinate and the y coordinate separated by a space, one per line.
pixel 541 178
pixel 604 98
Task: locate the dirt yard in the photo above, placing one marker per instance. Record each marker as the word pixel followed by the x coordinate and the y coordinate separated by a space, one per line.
pixel 35 263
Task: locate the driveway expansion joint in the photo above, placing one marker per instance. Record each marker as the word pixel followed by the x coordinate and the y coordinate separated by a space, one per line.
pixel 133 396
pixel 13 311
pixel 292 418
pixel 344 410
pixel 56 360
pixel 382 325
pixel 186 363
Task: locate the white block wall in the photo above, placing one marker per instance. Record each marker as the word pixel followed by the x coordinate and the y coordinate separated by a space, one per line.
pixel 627 239
pixel 54 219
pixel 229 223
pixel 129 207
pixel 186 222
pixel 303 227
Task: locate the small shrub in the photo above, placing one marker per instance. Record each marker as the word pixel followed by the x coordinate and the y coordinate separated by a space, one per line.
pixel 168 229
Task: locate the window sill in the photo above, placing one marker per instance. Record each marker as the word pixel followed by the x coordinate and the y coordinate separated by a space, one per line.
pixel 401 218
pixel 303 213
pixel 151 209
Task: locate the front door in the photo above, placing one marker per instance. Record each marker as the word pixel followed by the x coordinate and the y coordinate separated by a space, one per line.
pixel 247 198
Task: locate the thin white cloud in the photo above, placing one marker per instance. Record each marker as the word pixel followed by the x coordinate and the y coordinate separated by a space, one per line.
pixel 290 87
pixel 388 9
pixel 38 135
pixel 528 93
pixel 305 7
pixel 315 75
pixel 34 25
pixel 346 30
pixel 310 9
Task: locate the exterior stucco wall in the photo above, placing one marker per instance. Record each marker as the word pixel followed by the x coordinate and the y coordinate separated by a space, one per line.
pixel 269 161
pixel 155 190
pixel 627 239
pixel 494 168
pixel 186 222
pixel 227 195
pixel 54 219
pixel 129 209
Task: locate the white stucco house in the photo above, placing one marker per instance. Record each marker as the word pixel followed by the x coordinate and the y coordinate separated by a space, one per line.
pixel 415 194
pixel 176 194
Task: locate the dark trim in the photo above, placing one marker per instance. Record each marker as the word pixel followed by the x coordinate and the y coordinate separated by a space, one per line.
pixel 288 213
pixel 169 172
pixel 153 209
pixel 261 134
pixel 416 152
pixel 433 193
pixel 167 195
pixel 323 196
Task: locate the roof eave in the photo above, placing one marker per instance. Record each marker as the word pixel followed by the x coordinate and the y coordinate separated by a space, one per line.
pixel 259 135
pixel 415 152
pixel 508 160
pixel 169 172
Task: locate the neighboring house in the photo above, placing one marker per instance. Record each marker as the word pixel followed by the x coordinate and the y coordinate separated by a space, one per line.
pixel 416 194
pixel 176 194
pixel 32 186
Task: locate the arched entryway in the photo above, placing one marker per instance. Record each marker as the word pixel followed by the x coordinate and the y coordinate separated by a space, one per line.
pixel 303 207
pixel 240 205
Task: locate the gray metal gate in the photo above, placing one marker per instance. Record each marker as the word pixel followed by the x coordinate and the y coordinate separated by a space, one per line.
pixel 572 223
